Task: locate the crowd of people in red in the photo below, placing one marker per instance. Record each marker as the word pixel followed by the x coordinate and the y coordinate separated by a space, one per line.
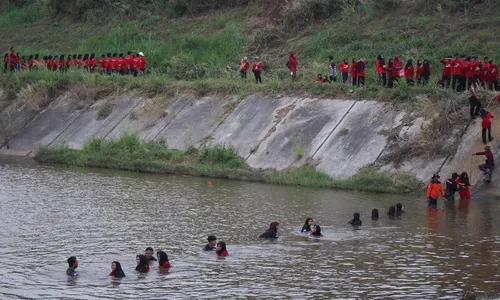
pixel 130 64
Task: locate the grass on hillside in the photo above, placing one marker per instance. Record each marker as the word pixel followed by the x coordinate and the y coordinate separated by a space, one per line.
pixel 131 153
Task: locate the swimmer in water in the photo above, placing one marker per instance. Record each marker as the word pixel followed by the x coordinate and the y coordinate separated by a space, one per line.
pixel 375 214
pixel 73 264
pixel 163 260
pixel 307 225
pixel 399 209
pixel 142 264
pixel 210 246
pixel 272 232
pixel 392 211
pixel 148 253
pixel 315 231
pixel 116 270
pixel 221 249
pixel 356 221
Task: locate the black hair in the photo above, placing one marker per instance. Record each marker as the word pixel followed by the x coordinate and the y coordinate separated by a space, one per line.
pixel 104 55
pixel 6 54
pixel 92 55
pixel 319 74
pixel 162 257
pixel 356 216
pixel 129 52
pixel 61 57
pixel 109 54
pixel 464 178
pixel 374 214
pixel 118 273
pixel 115 54
pixel 392 210
pixel 222 245
pixel 149 249
pixel 408 64
pixel 75 56
pixel 306 226
pixel 141 267
pixel 318 231
pixel 212 238
pixel 399 206
pixel 121 55
pixel 71 261
pixel 36 56
pixel 356 220
pixel 86 56
pixel 331 57
pixel 30 57
pixel 79 56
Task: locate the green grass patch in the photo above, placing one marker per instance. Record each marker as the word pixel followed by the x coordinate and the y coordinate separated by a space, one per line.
pixel 131 153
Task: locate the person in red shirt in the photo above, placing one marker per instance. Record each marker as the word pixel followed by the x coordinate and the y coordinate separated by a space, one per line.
pixel 319 78
pixel 107 64
pixel 493 76
pixel 55 63
pixel 244 66
pixel 354 73
pixel 344 69
pixel 464 182
pixel 62 63
pixel 483 77
pixel 486 125
pixel 398 68
pixel 24 66
pixel 79 61
pixel 456 73
pixel 256 69
pixel 142 63
pixel 221 250
pixel 120 64
pixel 380 69
pixel 446 79
pixel 142 264
pixel 361 71
pixel 409 72
pixel 135 64
pixel 418 71
pixel 389 69
pixel 114 64
pixel 74 63
pixel 292 65
pixel 36 63
pixel 163 262
pixel 12 60
pixel 102 63
pixel 128 63
pixel 18 62
pixel 316 231
pixel 489 163
pixel 69 62
pixel 85 62
pixel 470 65
pixel 30 62
pixel 116 270
pixel 426 72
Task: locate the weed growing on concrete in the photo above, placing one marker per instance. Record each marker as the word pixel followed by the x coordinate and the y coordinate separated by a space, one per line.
pixel 105 110
pixel 343 132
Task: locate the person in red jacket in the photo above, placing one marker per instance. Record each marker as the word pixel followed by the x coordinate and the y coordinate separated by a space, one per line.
pixel 493 76
pixel 486 125
pixel 69 62
pixel 354 72
pixel 361 71
pixel 434 189
pixel 12 60
pixel 92 62
pixel 107 64
pixel 113 63
pixel 457 65
pixel 380 69
pixel 464 183
pixel 344 69
pixel 128 62
pixel 410 72
pixel 163 262
pixel 24 64
pixel 221 250
pixel 292 65
pixel 489 163
pixel 244 67
pixel 398 68
pixel 483 77
pixel 446 79
pixel 389 69
pixel 426 72
pixel 55 63
pixel 256 69
pixel 62 63
pixel 120 64
pixel 31 62
pixel 470 66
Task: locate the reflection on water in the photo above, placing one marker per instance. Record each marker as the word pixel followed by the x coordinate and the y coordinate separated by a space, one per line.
pixel 48 214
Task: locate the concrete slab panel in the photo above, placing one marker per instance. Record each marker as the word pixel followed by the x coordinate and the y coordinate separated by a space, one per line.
pixel 301 132
pixel 194 123
pixel 88 125
pixel 46 126
pixel 422 168
pixel 151 120
pixel 356 141
pixel 12 121
pixel 250 122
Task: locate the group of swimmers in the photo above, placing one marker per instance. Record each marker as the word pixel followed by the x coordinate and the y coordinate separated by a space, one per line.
pixel 133 63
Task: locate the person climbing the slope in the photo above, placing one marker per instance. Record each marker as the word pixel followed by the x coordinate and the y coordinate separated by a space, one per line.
pixel 489 163
pixel 292 65
pixel 434 189
pixel 486 124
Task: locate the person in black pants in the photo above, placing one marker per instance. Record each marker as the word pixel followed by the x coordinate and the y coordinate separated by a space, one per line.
pixel 475 104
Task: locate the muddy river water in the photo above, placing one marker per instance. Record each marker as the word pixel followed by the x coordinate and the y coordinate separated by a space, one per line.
pixel 49 213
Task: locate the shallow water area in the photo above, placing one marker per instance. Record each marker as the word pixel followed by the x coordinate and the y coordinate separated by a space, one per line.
pixel 49 213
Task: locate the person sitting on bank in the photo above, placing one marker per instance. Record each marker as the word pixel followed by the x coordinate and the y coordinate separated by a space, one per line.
pixel 73 264
pixel 452 187
pixel 489 163
pixel 356 221
pixel 319 78
pixel 272 232
pixel 316 231
pixel 116 270
pixel 375 214
pixel 434 189
pixel 210 246
pixel 163 260
pixel 221 249
pixel 307 225
pixel 142 264
pixel 148 253
pixel 399 209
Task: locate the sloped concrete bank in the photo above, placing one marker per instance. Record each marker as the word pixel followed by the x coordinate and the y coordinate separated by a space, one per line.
pixel 339 137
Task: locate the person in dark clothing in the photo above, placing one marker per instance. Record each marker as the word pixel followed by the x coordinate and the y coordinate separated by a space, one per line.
pixel 148 253
pixel 399 209
pixel 392 211
pixel 212 242
pixel 6 62
pixel 272 232
pixel 426 73
pixel 380 69
pixel 390 73
pixel 307 225
pixel 332 70
pixel 256 69
pixel 73 264
pixel 116 270
pixel 489 164
pixel 475 104
pixel 374 214
pixel 356 221
pixel 316 231
pixel 142 264
pixel 486 125
pixel 452 187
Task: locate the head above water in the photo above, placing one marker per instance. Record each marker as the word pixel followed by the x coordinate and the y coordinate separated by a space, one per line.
pixel 374 213
pixel 356 216
pixel 73 262
pixel 392 210
pixel 316 230
pixel 212 240
pixel 274 226
pixel 455 175
pixel 221 247
pixel 148 252
pixel 162 257
pixel 399 207
pixel 116 267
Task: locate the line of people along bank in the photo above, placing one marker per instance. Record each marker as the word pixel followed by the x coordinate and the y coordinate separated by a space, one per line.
pixel 146 260
pixel 133 63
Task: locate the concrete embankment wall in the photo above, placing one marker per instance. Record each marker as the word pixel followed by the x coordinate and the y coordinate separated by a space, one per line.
pixel 339 137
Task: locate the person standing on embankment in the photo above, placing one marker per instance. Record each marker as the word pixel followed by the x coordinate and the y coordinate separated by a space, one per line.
pixel 292 65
